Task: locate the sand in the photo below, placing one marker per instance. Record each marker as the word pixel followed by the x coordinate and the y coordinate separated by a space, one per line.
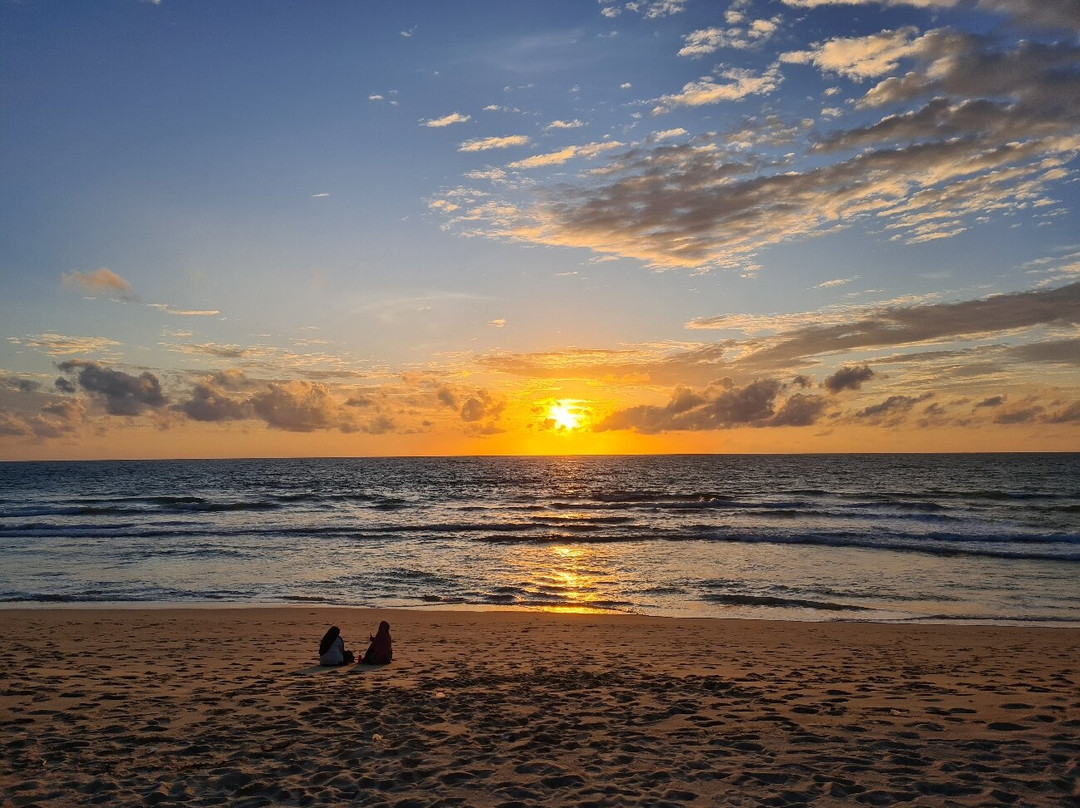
pixel 226 706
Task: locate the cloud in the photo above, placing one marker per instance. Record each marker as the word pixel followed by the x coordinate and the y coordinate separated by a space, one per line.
pixel 61 345
pixel 321 195
pixel 668 134
pixel 719 406
pixel 836 282
pixel 168 309
pixel 978 129
pixel 56 420
pixel 499 322
pixel 100 281
pixel 1059 14
pixel 121 393
pixel 295 406
pixel 19 385
pixel 848 378
pixel 650 9
pixel 706 90
pixel 589 150
pixel 1068 415
pixel 860 58
pixel 574 124
pixel 1019 416
pixel 209 401
pixel 709 40
pixel 482 405
pixel 447 120
pixel 1062 352
pixel 997 315
pixel 484 144
pixel 209 349
pixel 892 410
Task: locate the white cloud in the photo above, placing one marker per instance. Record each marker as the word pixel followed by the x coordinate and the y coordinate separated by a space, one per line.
pixel 741 83
pixel 168 309
pixel 484 144
pixel 62 345
pixel 574 124
pixel 709 40
pixel 860 58
pixel 447 120
pixel 563 155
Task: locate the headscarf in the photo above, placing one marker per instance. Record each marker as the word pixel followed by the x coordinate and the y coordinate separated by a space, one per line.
pixel 380 651
pixel 328 639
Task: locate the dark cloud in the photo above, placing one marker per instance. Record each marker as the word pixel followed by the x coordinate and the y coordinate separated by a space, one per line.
pixel 1022 416
pixel 446 396
pixel 56 420
pixel 799 410
pixel 19 385
pixel 848 378
pixel 1069 415
pixel 720 406
pixel 918 324
pixel 1063 351
pixel 210 403
pixel 482 405
pixel 993 401
pixel 891 410
pixel 64 385
pixel 1063 14
pixel 122 393
pixel 295 406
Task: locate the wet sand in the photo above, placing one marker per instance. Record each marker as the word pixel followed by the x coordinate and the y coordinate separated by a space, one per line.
pixel 509 709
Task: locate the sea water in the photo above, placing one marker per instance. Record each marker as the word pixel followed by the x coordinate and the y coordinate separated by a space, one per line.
pixel 977 538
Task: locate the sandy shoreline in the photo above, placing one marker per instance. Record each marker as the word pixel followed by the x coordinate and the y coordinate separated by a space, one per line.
pixel 226 706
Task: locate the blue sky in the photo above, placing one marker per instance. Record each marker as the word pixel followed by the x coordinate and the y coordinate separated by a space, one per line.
pixel 361 227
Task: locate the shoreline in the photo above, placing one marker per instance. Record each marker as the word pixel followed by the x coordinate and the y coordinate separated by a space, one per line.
pixel 479 608
pixel 205 706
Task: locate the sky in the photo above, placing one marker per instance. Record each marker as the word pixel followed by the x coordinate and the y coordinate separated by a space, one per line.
pixel 240 228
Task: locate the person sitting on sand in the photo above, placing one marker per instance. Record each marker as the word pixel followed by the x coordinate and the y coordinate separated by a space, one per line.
pixel 332 649
pixel 380 652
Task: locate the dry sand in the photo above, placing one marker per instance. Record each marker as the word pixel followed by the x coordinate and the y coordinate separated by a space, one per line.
pixel 225 706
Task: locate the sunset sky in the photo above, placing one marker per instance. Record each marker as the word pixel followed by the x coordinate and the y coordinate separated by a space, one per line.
pixel 240 228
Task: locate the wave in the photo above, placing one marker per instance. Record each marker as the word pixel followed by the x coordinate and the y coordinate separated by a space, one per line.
pixel 773 601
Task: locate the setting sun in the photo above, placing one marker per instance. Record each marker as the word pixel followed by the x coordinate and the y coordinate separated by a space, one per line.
pixel 566 415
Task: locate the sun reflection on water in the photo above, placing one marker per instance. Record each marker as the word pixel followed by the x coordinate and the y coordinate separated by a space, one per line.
pixel 568 574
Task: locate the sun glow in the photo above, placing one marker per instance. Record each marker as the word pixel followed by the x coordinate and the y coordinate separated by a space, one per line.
pixel 566 414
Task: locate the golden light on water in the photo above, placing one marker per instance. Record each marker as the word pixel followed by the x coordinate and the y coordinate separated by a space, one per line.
pixel 565 571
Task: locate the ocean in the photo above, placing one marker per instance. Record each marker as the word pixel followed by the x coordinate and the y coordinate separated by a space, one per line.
pixel 933 538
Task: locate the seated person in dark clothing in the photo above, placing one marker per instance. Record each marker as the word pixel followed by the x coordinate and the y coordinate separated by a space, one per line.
pixel 380 652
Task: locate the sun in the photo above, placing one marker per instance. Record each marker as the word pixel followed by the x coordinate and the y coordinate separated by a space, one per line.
pixel 565 415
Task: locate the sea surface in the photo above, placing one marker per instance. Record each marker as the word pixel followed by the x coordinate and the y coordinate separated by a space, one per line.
pixel 933 538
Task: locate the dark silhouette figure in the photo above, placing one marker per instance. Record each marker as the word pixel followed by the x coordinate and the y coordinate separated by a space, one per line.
pixel 332 649
pixel 381 651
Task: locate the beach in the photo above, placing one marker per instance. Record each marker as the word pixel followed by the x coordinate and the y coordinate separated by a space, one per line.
pixel 212 706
